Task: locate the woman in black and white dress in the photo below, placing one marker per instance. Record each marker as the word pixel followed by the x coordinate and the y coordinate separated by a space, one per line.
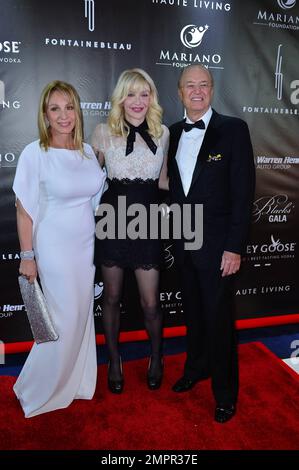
pixel 133 147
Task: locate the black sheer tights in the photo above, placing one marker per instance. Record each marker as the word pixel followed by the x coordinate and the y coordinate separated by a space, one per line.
pixel 148 286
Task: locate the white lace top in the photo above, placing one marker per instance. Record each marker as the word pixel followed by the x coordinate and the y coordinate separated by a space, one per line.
pixel 140 164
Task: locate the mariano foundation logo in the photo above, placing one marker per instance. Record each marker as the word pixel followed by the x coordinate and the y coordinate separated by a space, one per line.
pixel 192 35
pixel 283 20
pixel 191 38
pixel 286 5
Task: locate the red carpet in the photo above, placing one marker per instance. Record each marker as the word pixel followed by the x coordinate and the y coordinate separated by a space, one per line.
pixel 267 417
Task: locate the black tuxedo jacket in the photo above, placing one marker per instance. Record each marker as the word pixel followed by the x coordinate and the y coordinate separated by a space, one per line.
pixel 223 181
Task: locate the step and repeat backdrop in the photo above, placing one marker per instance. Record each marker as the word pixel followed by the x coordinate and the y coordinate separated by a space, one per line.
pixel 250 46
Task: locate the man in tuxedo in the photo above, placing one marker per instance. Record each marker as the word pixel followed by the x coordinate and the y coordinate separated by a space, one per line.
pixel 211 163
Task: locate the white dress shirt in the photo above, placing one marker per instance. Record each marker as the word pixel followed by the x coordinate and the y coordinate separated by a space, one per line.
pixel 188 150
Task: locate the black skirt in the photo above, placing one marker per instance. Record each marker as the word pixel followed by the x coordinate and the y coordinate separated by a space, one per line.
pixel 118 248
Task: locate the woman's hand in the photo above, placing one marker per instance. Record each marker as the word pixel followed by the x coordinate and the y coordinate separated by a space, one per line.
pixel 28 269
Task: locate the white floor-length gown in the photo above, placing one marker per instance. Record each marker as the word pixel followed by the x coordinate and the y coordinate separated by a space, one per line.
pixel 57 188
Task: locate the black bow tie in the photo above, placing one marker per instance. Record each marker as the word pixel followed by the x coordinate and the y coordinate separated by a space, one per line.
pixel 198 124
pixel 142 130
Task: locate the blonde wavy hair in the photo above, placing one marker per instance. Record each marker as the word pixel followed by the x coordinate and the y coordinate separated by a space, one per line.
pixel 134 80
pixel 44 129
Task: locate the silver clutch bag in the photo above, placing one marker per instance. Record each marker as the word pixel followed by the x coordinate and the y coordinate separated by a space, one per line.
pixel 37 311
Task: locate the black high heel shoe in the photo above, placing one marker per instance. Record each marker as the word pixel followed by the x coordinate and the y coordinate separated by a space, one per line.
pixel 154 381
pixel 116 386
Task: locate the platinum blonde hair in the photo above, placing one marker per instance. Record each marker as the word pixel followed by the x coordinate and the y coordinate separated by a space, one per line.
pixel 134 80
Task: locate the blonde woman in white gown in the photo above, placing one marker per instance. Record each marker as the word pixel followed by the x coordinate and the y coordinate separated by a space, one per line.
pixel 57 183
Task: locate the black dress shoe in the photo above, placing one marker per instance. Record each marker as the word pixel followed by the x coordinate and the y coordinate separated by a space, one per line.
pixel 224 413
pixel 154 380
pixel 116 386
pixel 184 384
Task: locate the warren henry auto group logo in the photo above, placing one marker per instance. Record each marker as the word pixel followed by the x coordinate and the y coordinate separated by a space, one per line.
pixel 264 162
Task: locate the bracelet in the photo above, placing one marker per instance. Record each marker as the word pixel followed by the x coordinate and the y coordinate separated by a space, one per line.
pixel 29 254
